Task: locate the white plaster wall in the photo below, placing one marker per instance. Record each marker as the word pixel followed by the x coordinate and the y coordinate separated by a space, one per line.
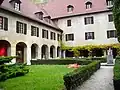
pixel 13 38
pixel 100 27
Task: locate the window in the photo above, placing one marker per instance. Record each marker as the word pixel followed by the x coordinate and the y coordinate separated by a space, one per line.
pixel 34 31
pixel 89 35
pixel 89 20
pixel 69 37
pixel 21 27
pixel 111 34
pixel 70 8
pixel 68 22
pixel 52 36
pixel 17 6
pixel 3 23
pixel 39 15
pixel 109 2
pixel 88 5
pixel 44 33
pixel 110 17
pixel 59 37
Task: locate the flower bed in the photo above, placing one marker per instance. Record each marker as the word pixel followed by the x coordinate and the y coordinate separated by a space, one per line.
pixel 78 76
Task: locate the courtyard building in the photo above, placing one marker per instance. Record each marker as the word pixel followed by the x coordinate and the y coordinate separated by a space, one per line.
pixel 35 31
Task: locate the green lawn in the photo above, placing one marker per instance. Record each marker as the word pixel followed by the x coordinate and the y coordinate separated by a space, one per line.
pixel 40 77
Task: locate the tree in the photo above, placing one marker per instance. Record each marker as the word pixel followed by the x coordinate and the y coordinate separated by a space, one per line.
pixel 1 1
pixel 116 15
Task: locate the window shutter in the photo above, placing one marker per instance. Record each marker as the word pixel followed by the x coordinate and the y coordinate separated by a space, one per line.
pixel 92 20
pixel 17 27
pixel 72 36
pixel 37 32
pixel 85 20
pixel 66 37
pixel 54 36
pixel 25 28
pixel 5 23
pixel 85 36
pixel 42 33
pixel 47 34
pixel 1 22
pixel 93 37
pixel 108 36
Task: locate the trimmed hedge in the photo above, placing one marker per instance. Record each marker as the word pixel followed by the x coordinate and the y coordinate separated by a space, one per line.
pixel 101 59
pixel 78 76
pixel 116 79
pixel 60 62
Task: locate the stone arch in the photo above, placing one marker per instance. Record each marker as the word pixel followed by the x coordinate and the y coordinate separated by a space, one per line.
pixel 44 51
pixel 21 52
pixel 5 48
pixel 34 51
pixel 52 51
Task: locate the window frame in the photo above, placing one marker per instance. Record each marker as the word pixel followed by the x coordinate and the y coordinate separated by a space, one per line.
pixel 69 37
pixel 111 34
pixel 89 35
pixel 89 20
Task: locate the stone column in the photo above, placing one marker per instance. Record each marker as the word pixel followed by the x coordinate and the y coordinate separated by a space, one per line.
pixel 48 53
pixel 13 53
pixel 39 53
pixel 55 56
pixel 64 54
pixel 59 54
pixel 105 53
pixel 28 55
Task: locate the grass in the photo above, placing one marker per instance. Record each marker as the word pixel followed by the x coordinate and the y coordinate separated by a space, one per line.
pixel 40 77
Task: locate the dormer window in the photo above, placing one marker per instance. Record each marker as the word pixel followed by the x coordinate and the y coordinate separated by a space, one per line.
pixel 70 8
pixel 47 19
pixel 109 2
pixel 15 4
pixel 39 15
pixel 88 5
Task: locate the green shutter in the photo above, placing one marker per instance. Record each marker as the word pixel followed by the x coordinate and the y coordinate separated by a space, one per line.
pixel 17 27
pixel 5 23
pixel 37 32
pixel 25 28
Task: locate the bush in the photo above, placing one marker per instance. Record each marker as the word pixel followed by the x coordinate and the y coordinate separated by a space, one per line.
pixel 10 71
pixel 117 73
pixel 78 76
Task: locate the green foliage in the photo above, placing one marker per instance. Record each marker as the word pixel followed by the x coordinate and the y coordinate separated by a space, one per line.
pixel 117 69
pixel 78 76
pixel 9 71
pixel 116 14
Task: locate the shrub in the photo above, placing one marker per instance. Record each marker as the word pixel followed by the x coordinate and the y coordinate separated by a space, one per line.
pixel 9 71
pixel 78 76
pixel 117 73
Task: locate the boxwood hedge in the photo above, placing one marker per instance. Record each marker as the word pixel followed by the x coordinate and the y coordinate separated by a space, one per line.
pixel 116 79
pixel 78 76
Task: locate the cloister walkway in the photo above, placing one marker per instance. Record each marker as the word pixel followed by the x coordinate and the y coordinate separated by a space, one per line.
pixel 100 80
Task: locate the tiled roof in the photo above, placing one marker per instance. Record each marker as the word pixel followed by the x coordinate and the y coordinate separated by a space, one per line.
pixel 28 9
pixel 58 8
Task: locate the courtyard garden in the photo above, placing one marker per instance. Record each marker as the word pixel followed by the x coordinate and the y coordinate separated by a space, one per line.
pixel 40 77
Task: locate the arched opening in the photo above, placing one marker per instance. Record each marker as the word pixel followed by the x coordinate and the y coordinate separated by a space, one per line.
pixel 5 48
pixel 69 53
pixel 44 52
pixel 52 51
pixel 21 52
pixel 58 51
pixel 97 52
pixel 34 51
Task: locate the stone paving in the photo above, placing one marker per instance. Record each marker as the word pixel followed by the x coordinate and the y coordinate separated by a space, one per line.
pixel 100 80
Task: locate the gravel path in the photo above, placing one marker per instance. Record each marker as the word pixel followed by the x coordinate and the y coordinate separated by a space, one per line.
pixel 101 80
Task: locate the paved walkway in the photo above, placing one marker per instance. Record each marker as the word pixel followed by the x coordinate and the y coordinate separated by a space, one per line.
pixel 101 80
